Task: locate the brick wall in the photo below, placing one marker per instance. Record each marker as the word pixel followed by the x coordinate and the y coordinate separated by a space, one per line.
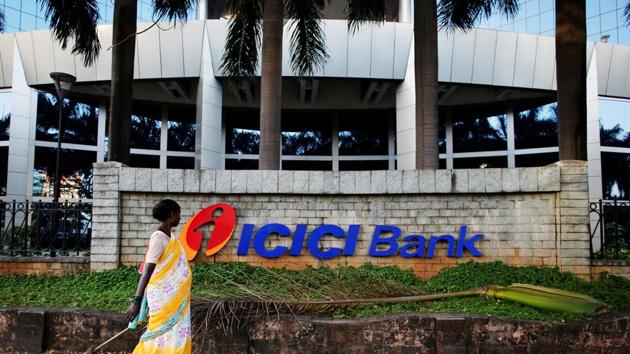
pixel 529 216
pixel 46 266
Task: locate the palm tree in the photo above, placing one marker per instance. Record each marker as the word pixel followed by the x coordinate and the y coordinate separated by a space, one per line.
pixel 571 77
pixel 451 14
pixel 77 19
pixel 308 49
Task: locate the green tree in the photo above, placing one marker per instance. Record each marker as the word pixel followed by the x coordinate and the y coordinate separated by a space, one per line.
pixel 253 18
pixel 77 19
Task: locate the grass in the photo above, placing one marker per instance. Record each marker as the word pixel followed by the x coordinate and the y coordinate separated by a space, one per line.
pixel 112 290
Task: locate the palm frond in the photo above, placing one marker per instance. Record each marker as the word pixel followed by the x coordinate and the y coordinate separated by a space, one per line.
pixel 1 20
pixel 173 10
pixel 308 42
pixel 626 14
pixel 360 11
pixel 463 14
pixel 243 38
pixel 75 19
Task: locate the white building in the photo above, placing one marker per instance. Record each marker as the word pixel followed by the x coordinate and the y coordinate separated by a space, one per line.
pixel 496 101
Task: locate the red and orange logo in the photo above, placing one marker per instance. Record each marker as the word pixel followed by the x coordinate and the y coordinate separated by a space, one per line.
pixel 224 225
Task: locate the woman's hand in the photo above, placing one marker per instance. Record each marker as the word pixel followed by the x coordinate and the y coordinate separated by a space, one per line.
pixel 133 311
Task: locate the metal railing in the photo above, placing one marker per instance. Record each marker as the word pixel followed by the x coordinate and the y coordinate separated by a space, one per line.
pixel 610 229
pixel 37 228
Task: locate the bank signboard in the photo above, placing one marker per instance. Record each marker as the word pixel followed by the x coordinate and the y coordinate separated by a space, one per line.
pixel 386 240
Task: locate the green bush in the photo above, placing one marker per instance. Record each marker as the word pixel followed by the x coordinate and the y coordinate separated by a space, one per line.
pixel 111 290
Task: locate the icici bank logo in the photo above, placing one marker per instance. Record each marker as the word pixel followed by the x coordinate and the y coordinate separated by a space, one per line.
pixel 224 218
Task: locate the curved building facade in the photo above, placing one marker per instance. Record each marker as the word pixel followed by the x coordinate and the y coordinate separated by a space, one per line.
pixel 496 103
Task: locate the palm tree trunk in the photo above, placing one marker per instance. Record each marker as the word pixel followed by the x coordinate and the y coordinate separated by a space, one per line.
pixel 271 86
pixel 426 69
pixel 123 54
pixel 571 76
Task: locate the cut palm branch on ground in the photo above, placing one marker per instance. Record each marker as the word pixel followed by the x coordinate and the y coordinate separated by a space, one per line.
pixel 237 299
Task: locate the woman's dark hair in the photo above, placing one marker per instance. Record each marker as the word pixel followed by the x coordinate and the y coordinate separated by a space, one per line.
pixel 164 208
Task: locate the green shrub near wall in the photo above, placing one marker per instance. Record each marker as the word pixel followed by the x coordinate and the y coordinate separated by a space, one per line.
pixel 111 290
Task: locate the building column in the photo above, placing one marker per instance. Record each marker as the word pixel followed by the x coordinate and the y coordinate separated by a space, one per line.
pixel 209 150
pixel 593 149
pixel 21 133
pixel 202 9
pixel 406 118
pixel 405 11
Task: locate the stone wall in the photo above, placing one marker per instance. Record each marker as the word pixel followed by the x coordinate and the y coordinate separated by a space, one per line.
pixel 615 267
pixel 41 265
pixel 529 216
pixel 39 330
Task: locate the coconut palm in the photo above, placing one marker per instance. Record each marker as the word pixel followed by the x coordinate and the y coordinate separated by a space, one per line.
pixel 253 18
pixel 77 20
pixel 571 77
pixel 1 20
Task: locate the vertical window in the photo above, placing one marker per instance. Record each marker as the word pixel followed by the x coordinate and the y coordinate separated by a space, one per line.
pixel 306 134
pixel 181 129
pixel 536 127
pixel 79 120
pixel 146 122
pixel 5 115
pixel 75 170
pixel 614 123
pixel 479 133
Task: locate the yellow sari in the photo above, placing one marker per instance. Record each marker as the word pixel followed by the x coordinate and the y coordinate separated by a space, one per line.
pixel 168 300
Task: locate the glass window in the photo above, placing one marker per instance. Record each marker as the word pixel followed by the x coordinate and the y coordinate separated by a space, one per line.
pixel 520 26
pixel 546 5
pixel 612 36
pixel 481 162
pixel 547 21
pixel 5 115
pixel 615 172
pixel 309 134
pixel 76 173
pixel 592 8
pixel 592 26
pixel 243 134
pixel 442 164
pixel 609 20
pixel 28 22
pixel 480 134
pixel 363 165
pixel 180 162
pixel 532 8
pixel 16 4
pixel 614 123
pixel 12 18
pixel 607 5
pixel 181 129
pixel 80 120
pixel 537 127
pixel 533 25
pixel 364 133
pixel 535 160
pixel 307 165
pixel 442 137
pixel 146 161
pixel 624 35
pixel 4 164
pixel 241 164
pixel 146 122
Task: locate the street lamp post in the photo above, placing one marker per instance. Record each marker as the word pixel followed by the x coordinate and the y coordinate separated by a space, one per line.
pixel 63 83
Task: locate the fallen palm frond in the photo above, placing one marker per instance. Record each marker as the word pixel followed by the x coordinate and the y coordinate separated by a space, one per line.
pixel 238 297
pixel 548 299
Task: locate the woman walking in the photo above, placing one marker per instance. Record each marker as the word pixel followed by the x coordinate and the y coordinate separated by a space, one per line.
pixel 165 287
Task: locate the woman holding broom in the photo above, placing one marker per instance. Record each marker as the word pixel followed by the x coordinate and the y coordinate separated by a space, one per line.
pixel 165 288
